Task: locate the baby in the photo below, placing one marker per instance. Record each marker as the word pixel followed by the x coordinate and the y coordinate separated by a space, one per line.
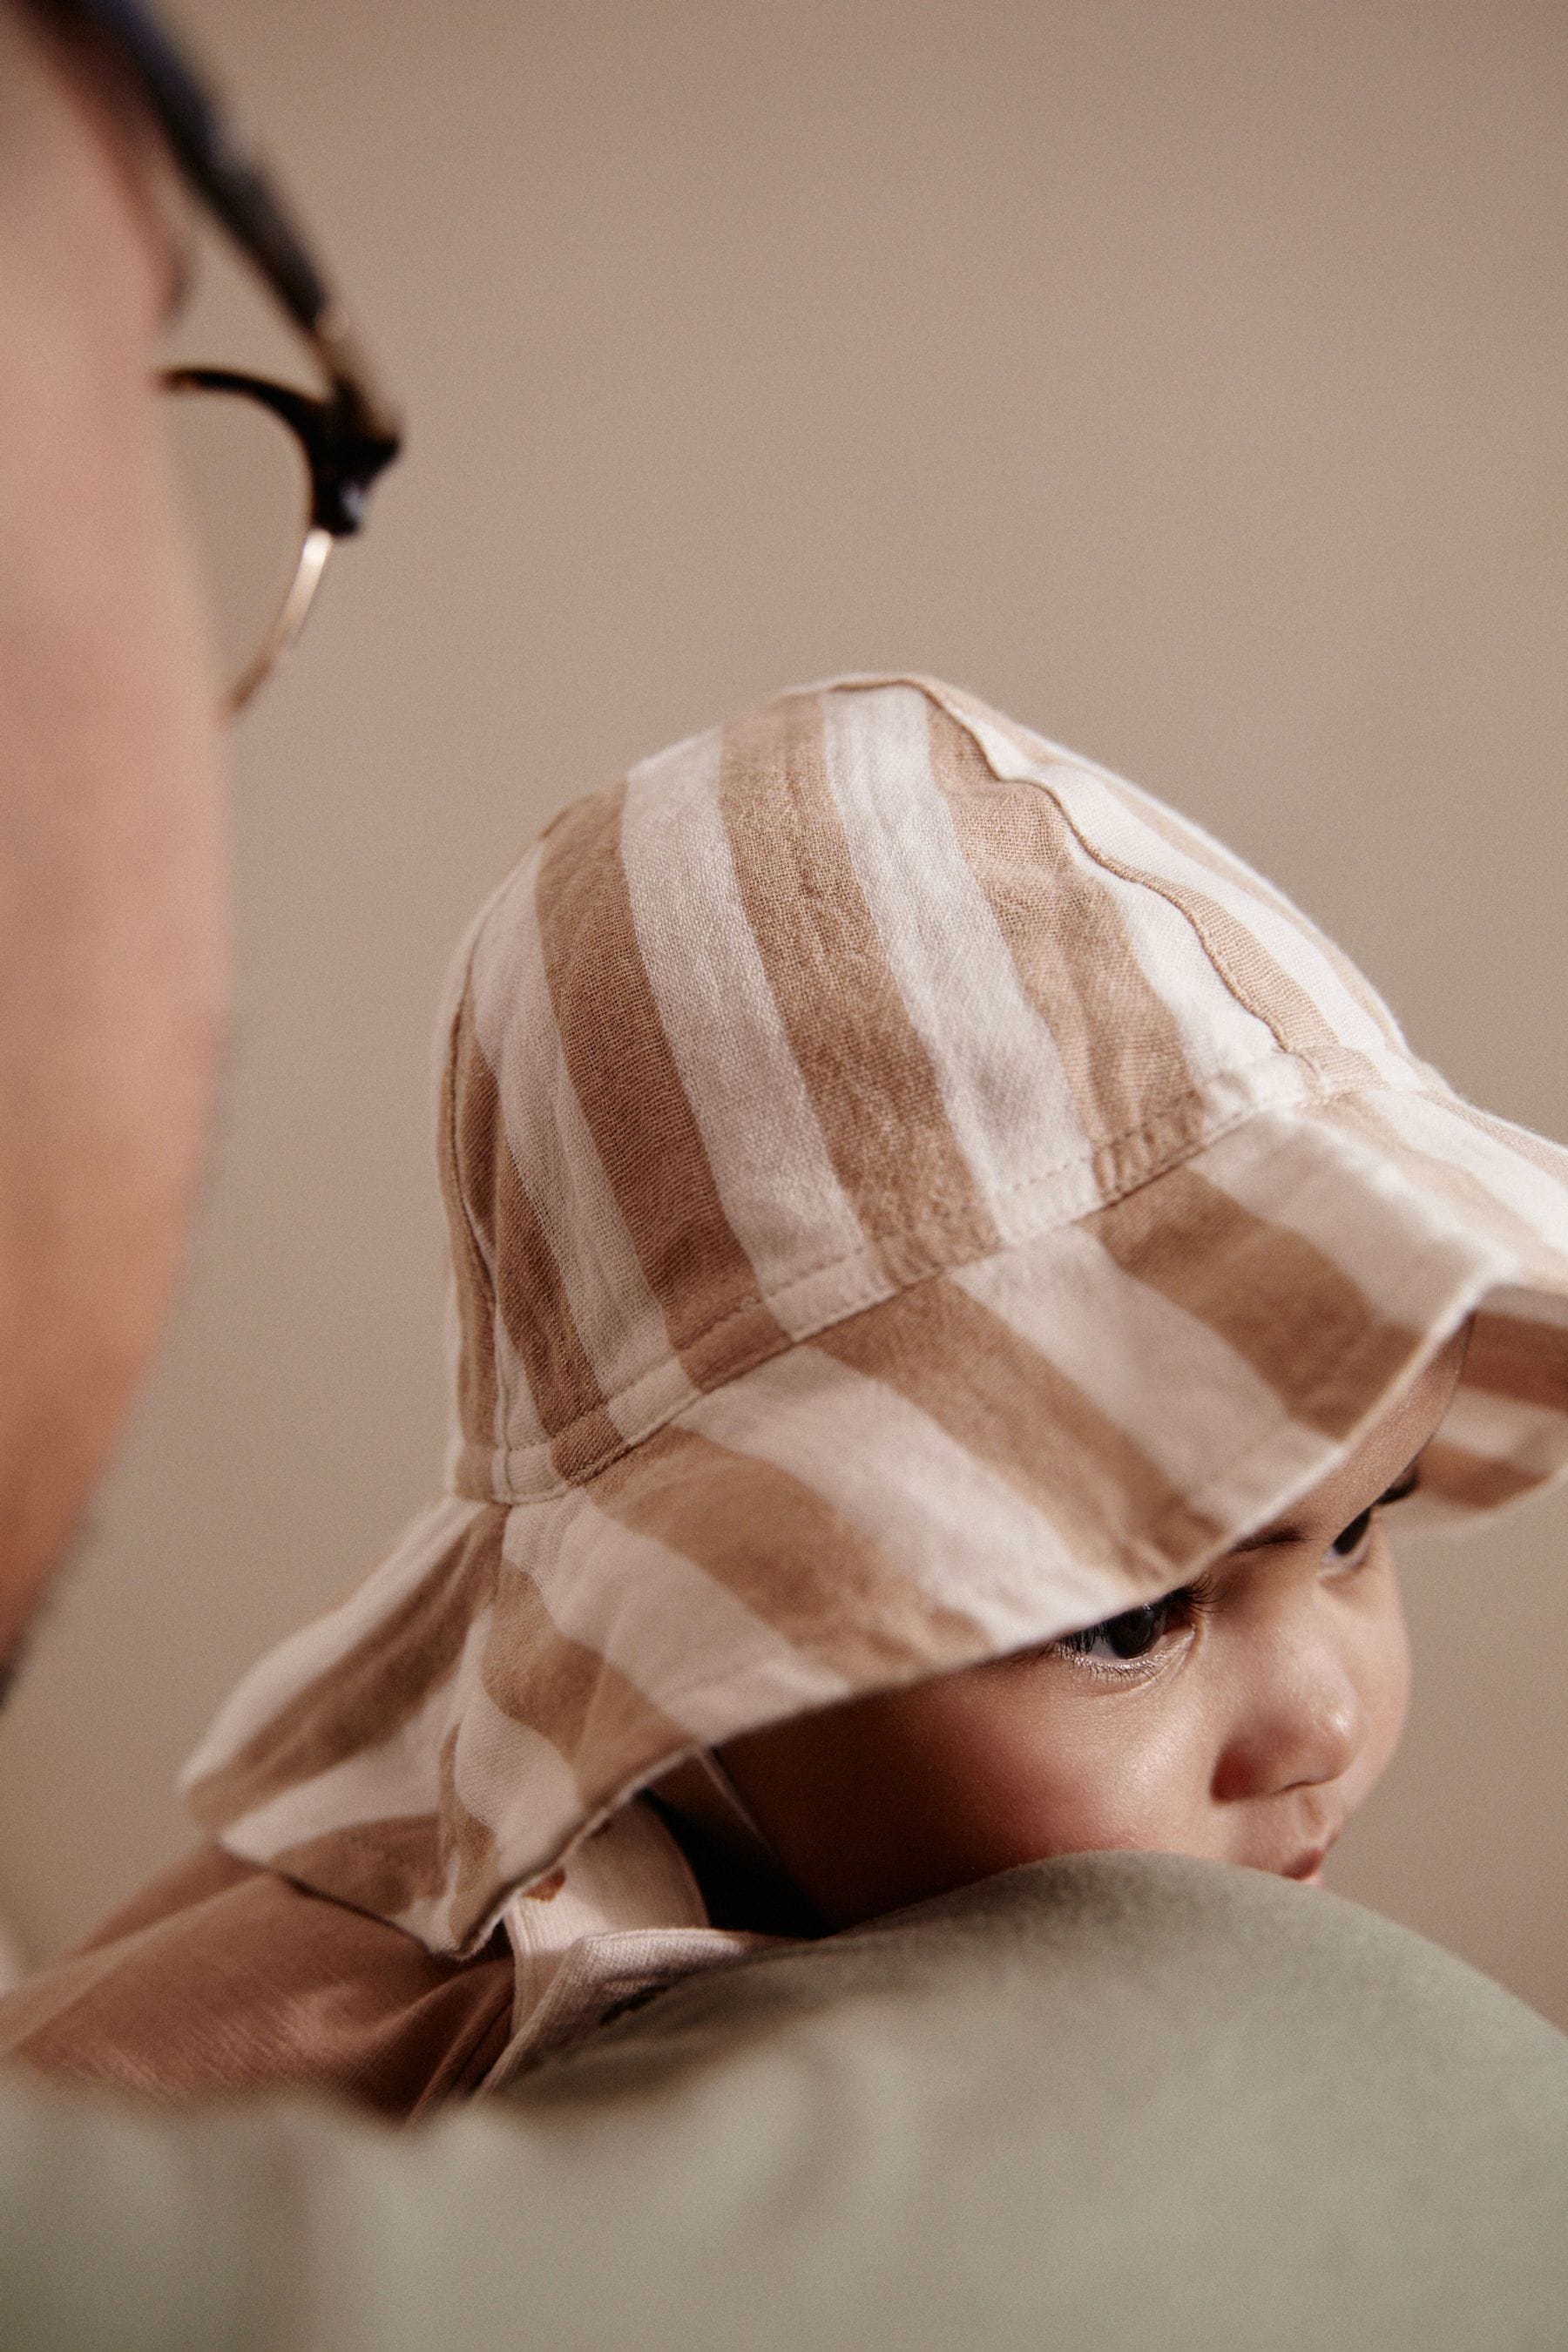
pixel 1245 1716
pixel 951 1271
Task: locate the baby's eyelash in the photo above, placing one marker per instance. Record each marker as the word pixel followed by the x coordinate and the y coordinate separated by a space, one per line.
pixel 1132 1634
pixel 1349 1538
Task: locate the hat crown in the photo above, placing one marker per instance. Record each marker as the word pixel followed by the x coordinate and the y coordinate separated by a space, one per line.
pixel 854 990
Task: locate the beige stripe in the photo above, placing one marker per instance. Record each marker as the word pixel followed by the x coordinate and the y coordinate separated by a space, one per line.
pixel 1480 1482
pixel 470 1130
pixel 1198 846
pixel 682 1636
pixel 780 1193
pixel 539 1319
pixel 618 1317
pixel 1514 1357
pixel 955 1525
pixel 1149 1367
pixel 1190 842
pixel 307 1656
pixel 595 1718
pixel 1218 1033
pixel 870 1076
pixel 803 1568
pixel 629 1086
pixel 370 1692
pixel 973 1374
pixel 1255 977
pixel 1119 1044
pixel 1094 799
pixel 1270 1294
pixel 384 1866
pixel 531 1295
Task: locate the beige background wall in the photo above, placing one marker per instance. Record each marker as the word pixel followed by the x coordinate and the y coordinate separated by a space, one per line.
pixel 1188 378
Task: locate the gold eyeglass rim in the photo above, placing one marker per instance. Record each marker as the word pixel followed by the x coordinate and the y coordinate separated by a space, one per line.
pixel 352 434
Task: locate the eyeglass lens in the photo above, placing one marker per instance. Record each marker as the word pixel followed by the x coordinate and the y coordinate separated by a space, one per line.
pixel 247 495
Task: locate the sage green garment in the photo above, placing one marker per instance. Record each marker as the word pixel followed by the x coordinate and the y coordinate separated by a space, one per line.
pixel 1116 2101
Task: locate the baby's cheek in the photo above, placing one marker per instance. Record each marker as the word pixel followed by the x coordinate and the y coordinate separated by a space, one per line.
pixel 1100 1776
pixel 1384 1680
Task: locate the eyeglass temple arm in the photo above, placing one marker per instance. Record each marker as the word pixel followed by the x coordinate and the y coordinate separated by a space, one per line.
pixel 245 202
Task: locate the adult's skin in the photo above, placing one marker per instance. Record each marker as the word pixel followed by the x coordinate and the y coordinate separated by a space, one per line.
pixel 112 892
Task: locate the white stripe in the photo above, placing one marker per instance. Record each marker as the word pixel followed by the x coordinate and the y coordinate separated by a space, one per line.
pixel 1410 1252
pixel 399 1776
pixel 1539 1199
pixel 691 1647
pixel 429 1918
pixel 996 1062
pixel 286 1671
pixel 776 1179
pixel 1436 1174
pixel 1504 1430
pixel 1217 1032
pixel 618 1318
pixel 1093 799
pixel 510 1778
pixel 961 1532
pixel 1528 1306
pixel 1159 1373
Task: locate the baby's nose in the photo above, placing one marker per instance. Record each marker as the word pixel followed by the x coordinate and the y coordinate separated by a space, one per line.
pixel 1299 1722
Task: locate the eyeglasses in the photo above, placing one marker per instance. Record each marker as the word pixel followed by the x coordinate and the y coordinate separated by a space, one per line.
pixel 275 476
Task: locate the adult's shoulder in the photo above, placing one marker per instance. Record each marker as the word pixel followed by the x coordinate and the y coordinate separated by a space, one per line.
pixel 1125 2099
pixel 1114 2101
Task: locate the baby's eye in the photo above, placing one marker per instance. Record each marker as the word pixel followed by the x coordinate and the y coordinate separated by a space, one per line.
pixel 1348 1548
pixel 1128 1639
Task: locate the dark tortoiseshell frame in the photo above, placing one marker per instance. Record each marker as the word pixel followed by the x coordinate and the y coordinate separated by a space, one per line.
pixel 347 437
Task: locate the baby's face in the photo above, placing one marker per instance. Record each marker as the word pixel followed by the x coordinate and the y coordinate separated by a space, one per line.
pixel 1244 1717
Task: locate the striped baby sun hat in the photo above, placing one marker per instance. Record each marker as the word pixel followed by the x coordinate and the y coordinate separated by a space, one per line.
pixel 910 1195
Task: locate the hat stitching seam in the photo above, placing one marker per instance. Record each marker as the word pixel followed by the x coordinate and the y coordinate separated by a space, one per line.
pixel 1139 879
pixel 543 1450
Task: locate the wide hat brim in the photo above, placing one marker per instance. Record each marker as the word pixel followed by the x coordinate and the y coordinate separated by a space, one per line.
pixel 994 1455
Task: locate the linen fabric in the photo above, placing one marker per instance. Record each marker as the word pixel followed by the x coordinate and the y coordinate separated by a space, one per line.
pixel 221 1978
pixel 910 1195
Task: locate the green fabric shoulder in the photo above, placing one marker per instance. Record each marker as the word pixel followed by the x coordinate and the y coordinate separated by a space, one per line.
pixel 1110 2101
